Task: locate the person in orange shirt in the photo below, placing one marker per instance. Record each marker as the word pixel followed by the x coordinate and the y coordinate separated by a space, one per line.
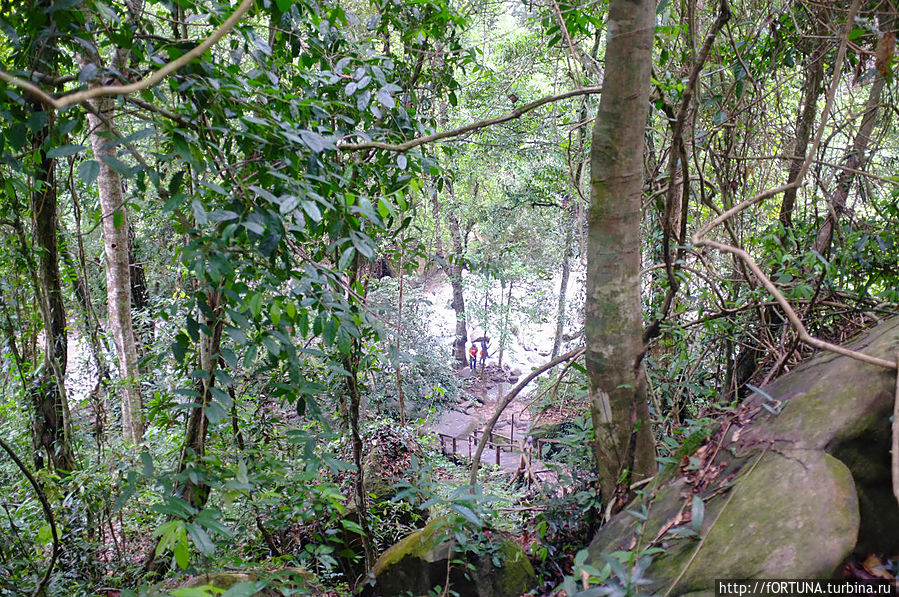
pixel 473 356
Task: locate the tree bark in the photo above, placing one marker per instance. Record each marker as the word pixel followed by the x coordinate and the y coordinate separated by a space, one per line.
pixel 454 269
pixel 563 290
pixel 624 443
pixel 399 332
pixel 118 276
pixel 52 420
pixel 814 74
pixel 854 161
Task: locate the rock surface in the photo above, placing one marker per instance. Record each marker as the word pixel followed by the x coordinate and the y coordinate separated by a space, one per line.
pixel 268 583
pixel 794 482
pixel 419 563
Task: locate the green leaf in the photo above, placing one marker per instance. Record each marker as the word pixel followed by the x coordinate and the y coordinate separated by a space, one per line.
pixel 215 412
pixel 244 589
pixel 314 141
pixel 118 218
pixel 123 498
pixel 182 555
pixel 62 151
pixel 254 227
pixel 468 514
pixel 288 204
pixel 147 462
pixel 275 314
pixel 201 539
pixel 698 513
pixel 116 164
pixel 283 5
pixel 179 351
pixel 44 534
pixel 312 209
pixel 352 527
pixel 385 99
pixel 272 346
pixel 346 257
pixel 208 518
pixel 88 171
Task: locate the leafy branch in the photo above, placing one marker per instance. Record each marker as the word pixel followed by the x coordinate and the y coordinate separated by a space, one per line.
pixel 79 97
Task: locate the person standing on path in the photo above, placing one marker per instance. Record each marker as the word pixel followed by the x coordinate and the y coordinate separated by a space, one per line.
pixel 473 356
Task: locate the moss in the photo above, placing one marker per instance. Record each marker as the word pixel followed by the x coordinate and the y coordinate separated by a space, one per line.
pixel 419 562
pixel 794 515
pixel 300 581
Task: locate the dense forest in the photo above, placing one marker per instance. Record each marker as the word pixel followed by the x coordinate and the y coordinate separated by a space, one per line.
pixel 447 297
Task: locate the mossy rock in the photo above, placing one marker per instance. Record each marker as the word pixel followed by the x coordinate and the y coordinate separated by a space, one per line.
pixel 269 583
pixel 796 490
pixel 420 562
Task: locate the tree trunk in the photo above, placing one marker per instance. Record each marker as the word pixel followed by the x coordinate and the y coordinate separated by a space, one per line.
pixel 118 276
pixel 854 161
pixel 51 424
pixel 197 424
pixel 504 330
pixel 563 290
pixel 454 269
pixel 399 331
pixel 624 443
pixel 814 74
pixel 140 298
pixel 438 232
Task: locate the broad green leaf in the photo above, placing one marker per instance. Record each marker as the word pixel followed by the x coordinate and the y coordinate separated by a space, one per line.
pixel 147 462
pixel 244 589
pixel 62 151
pixel 697 511
pixel 215 412
pixel 312 209
pixel 44 534
pixel 116 165
pixel 201 539
pixel 88 171
pixel 274 313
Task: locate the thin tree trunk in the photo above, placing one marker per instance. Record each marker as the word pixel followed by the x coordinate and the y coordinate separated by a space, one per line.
pixel 624 443
pixel 438 232
pixel 399 329
pixel 143 330
pixel 563 291
pixel 503 334
pixel 118 276
pixel 814 74
pixel 52 420
pixel 197 424
pixel 117 248
pixel 454 268
pixel 854 161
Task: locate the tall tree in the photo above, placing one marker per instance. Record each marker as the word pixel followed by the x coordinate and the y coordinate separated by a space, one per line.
pixel 117 246
pixel 857 157
pixel 614 325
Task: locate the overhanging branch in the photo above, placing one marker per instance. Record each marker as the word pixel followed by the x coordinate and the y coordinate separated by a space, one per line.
pixel 516 113
pixel 79 97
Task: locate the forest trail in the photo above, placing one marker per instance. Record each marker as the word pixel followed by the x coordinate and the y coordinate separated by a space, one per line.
pixel 457 429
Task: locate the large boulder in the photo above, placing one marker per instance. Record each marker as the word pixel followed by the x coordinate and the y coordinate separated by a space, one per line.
pixel 422 561
pixel 792 483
